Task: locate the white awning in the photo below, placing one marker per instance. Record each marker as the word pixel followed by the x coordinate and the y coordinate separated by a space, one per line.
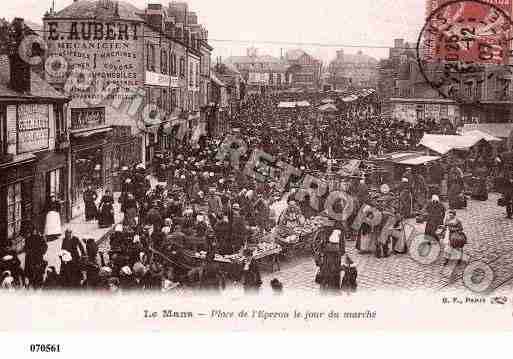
pixel 416 161
pixel 444 143
pixel 286 105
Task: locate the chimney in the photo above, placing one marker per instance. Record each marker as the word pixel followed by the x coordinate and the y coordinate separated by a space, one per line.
pixel 19 69
pixel 155 16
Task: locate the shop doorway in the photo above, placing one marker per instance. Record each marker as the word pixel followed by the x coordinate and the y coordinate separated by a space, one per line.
pixel 87 169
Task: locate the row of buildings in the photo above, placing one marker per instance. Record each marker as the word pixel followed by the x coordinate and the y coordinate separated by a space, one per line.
pixel 114 87
pixel 296 69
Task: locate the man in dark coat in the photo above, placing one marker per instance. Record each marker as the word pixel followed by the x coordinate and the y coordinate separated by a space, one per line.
pixel 73 245
pixel 405 200
pixel 154 218
pixel 239 229
pixel 90 197
pixel 35 265
pixel 435 173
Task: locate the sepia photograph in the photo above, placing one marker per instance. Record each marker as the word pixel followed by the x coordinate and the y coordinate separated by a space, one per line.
pixel 272 165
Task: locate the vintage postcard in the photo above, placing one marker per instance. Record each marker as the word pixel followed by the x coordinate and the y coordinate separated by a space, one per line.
pixel 272 165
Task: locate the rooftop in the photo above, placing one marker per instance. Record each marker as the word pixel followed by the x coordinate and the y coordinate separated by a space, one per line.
pixel 40 89
pixel 87 9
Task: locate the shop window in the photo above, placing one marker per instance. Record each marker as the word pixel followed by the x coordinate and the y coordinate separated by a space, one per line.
pixel 172 64
pixel 182 67
pixel 54 182
pixel 164 100
pixel 163 61
pixel 444 110
pixel 14 217
pixel 3 127
pixel 150 57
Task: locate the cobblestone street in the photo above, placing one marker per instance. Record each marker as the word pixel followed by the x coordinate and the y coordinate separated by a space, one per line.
pixel 490 236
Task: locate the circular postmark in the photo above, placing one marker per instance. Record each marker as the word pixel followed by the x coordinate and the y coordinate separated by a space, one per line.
pixel 463 44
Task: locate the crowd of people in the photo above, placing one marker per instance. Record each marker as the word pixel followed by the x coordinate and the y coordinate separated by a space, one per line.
pixel 209 207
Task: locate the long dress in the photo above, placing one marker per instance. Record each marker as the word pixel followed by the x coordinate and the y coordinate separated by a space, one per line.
pixel 453 250
pixel 436 213
pixel 349 280
pixel 106 211
pixel 330 267
pixel 91 212
pixel 53 226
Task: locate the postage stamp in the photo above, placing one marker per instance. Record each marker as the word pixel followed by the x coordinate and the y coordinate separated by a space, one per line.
pixel 460 41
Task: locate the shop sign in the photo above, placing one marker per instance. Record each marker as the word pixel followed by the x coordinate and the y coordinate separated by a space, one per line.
pixel 161 80
pixel 87 117
pixel 109 51
pixel 33 127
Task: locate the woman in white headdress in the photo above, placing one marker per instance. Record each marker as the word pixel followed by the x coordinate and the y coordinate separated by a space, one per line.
pixel 53 226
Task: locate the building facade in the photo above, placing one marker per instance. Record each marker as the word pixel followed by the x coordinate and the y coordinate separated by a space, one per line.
pixel 353 71
pixel 304 69
pixel 261 72
pixel 33 143
pixel 133 75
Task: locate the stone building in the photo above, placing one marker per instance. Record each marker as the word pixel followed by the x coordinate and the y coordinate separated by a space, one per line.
pixel 305 70
pixel 133 75
pixel 357 71
pixel 405 93
pixel 261 72
pixel 33 142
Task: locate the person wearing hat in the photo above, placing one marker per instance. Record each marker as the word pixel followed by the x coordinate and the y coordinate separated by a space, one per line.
pixel 349 283
pixel 405 209
pixel 106 208
pixel 435 211
pixel 71 275
pixel 154 217
pixel 214 203
pixel 329 262
pixel 90 197
pixel 455 187
pixel 131 209
pixel 72 245
pixel 35 250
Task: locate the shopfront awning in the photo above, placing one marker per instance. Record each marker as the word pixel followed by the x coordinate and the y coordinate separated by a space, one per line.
pixel 417 161
pixel 442 144
pixel 90 132
pixel 329 107
pixel 286 105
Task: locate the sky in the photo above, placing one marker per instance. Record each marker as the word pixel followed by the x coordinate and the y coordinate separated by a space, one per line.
pixel 364 24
